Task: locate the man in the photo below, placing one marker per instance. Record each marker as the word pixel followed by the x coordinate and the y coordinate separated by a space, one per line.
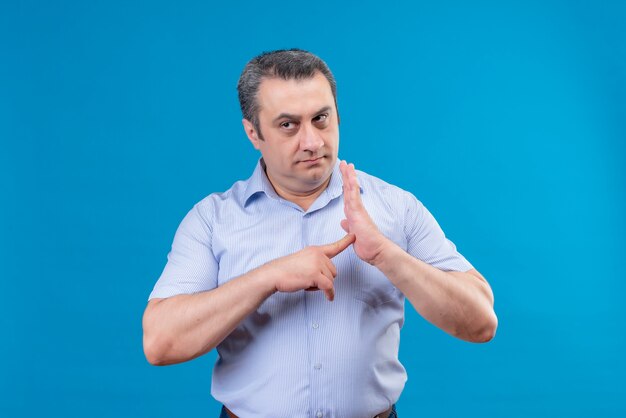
pixel 298 275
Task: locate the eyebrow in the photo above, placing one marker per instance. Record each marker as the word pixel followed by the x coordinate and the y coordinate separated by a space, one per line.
pixel 297 117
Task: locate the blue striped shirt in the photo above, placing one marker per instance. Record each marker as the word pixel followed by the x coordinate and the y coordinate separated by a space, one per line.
pixel 299 355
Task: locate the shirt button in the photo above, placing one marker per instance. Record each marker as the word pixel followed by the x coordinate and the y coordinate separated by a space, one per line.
pixel 317 366
pixel 319 414
pixel 316 325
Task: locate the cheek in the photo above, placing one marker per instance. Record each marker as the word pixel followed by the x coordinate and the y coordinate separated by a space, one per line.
pixel 332 139
pixel 283 154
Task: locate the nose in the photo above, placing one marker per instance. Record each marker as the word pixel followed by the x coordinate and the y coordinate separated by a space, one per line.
pixel 311 140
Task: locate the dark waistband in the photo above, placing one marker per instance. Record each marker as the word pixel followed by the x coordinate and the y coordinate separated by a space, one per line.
pixel 384 414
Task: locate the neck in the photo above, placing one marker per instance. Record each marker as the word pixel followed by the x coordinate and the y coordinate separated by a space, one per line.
pixel 304 199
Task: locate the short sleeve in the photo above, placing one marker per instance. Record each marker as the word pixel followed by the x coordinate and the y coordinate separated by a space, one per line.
pixel 426 240
pixel 191 266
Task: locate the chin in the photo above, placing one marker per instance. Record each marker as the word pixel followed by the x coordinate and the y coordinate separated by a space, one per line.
pixel 322 175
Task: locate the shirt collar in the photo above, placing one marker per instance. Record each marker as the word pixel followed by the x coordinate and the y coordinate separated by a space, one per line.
pixel 258 183
pixel 335 186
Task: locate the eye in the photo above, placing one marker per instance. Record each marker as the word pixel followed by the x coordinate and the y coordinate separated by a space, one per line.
pixel 287 125
pixel 321 118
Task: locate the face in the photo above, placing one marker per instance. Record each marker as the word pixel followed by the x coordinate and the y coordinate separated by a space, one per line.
pixel 300 130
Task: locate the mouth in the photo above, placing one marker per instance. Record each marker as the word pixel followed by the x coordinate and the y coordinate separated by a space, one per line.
pixel 312 160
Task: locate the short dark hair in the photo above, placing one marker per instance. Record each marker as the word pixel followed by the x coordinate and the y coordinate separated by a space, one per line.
pixel 287 64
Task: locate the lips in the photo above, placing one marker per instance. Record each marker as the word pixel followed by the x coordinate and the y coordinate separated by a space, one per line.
pixel 312 160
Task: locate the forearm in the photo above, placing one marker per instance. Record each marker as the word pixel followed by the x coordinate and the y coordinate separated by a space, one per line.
pixel 457 302
pixel 184 327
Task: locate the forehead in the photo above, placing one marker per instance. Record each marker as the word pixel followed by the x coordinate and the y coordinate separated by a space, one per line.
pixel 294 96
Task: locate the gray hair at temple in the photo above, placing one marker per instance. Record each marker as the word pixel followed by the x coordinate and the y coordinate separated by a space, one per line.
pixel 287 64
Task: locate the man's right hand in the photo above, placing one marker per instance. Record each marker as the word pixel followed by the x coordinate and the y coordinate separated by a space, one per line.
pixel 185 326
pixel 308 269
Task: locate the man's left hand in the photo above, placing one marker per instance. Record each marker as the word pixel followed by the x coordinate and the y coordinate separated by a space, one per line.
pixel 370 242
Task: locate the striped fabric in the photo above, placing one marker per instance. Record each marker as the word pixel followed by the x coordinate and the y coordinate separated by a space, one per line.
pixel 299 355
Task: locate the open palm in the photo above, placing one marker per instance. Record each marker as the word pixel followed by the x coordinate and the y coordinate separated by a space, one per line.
pixel 369 240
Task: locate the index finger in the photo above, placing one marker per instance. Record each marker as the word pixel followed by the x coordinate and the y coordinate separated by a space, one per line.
pixel 331 250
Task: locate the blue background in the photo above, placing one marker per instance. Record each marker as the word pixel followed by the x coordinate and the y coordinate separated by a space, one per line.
pixel 507 120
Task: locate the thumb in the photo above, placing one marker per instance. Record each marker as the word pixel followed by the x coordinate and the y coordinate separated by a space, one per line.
pixel 345 225
pixel 331 250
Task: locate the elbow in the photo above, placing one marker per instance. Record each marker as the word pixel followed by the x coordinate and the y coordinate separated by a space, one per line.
pixel 487 331
pixel 154 351
pixel 488 324
pixel 155 344
pixel 165 353
pixel 153 356
pixel 160 349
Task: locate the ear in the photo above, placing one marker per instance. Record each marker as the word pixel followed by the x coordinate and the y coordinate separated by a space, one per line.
pixel 251 133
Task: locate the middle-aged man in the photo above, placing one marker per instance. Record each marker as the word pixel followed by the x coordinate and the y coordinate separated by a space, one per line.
pixel 298 275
